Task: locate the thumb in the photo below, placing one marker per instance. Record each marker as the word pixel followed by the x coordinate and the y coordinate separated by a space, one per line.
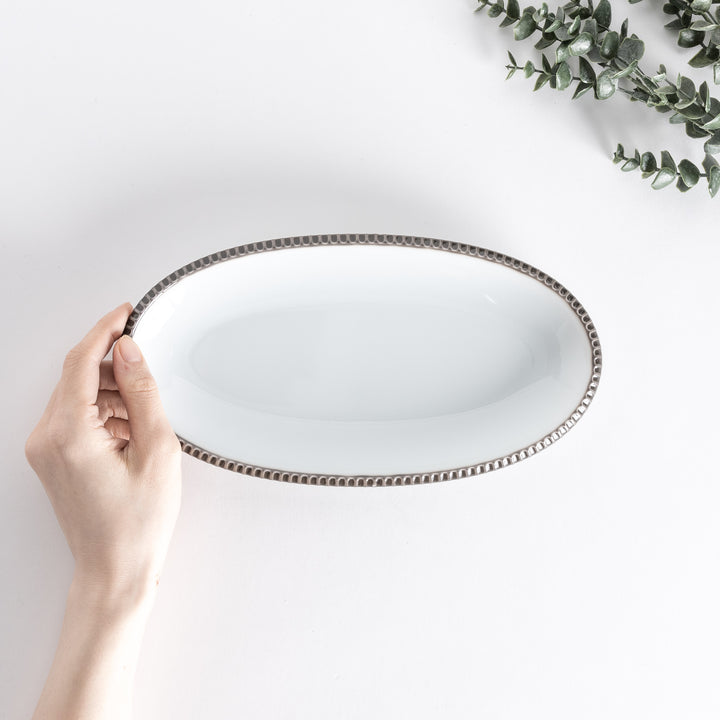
pixel 149 426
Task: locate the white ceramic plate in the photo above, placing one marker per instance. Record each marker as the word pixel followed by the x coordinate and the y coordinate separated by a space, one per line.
pixel 366 359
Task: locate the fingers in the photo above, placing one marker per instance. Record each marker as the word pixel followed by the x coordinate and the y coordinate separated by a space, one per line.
pixel 118 428
pixel 150 430
pixel 110 404
pixel 107 376
pixel 81 369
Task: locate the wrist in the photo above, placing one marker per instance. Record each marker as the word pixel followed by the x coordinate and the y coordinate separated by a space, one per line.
pixel 112 598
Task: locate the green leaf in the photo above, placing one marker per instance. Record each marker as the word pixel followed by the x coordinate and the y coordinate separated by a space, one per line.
pixel 631 68
pixel 690 38
pixel 529 69
pixel 603 13
pixel 716 73
pixel 703 25
pixel 581 44
pixel 712 146
pixel 714 124
pixel 574 27
pixel 694 112
pixel 525 27
pixel 619 154
pixel 494 10
pixel 562 52
pixel 542 79
pixel 590 26
pixel 605 86
pixel 689 173
pixel 547 67
pixel 581 89
pixel 704 92
pixel 663 178
pixel 512 58
pixel 700 6
pixel 631 164
pixel 610 45
pixel 648 163
pixel 686 86
pixel 563 76
pixel 511 72
pixel 507 21
pixel 712 171
pixel 624 29
pixel 631 49
pixel 586 72
pixel 701 59
pixel 666 161
pixel 693 131
pixel 513 9
pixel 681 186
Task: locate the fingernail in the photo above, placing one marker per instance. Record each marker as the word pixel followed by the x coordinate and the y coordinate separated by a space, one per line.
pixel 129 351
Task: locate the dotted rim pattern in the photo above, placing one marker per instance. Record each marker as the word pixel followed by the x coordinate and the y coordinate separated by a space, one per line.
pixel 302 241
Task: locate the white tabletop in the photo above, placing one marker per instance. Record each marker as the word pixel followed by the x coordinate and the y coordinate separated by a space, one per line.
pixel 581 583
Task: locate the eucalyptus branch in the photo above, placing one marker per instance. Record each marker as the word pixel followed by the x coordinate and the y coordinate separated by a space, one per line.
pixel 698 24
pixel 608 62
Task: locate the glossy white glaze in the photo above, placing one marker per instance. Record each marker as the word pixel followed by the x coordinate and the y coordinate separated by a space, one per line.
pixel 364 359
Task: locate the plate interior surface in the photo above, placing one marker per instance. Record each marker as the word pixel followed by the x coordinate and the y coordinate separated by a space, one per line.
pixel 364 359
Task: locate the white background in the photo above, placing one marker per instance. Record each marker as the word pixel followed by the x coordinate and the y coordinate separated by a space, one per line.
pixel 582 583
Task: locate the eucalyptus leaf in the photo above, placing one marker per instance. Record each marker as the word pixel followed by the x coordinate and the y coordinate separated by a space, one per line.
pixel 712 145
pixel 603 13
pixel 605 85
pixel 701 59
pixel 586 72
pixel 631 68
pixel 581 89
pixel 610 45
pixel 543 78
pixel 714 124
pixel 581 44
pixel 648 163
pixel 688 38
pixel 689 173
pixel 712 172
pixel 513 9
pixel 529 69
pixel 631 49
pixel 562 52
pixel 563 76
pixel 525 28
pixel 663 178
pixel 631 164
pixel 701 6
pixel 703 25
pixel 716 73
pixel 666 161
pixel 686 86
pixel 693 131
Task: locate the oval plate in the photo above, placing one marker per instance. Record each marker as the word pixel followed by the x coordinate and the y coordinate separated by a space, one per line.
pixel 366 360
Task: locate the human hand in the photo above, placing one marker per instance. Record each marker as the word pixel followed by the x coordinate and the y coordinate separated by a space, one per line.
pixel 110 463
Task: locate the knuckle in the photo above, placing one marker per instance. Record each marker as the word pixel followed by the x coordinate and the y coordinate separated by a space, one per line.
pixel 32 447
pixel 72 358
pixel 144 385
